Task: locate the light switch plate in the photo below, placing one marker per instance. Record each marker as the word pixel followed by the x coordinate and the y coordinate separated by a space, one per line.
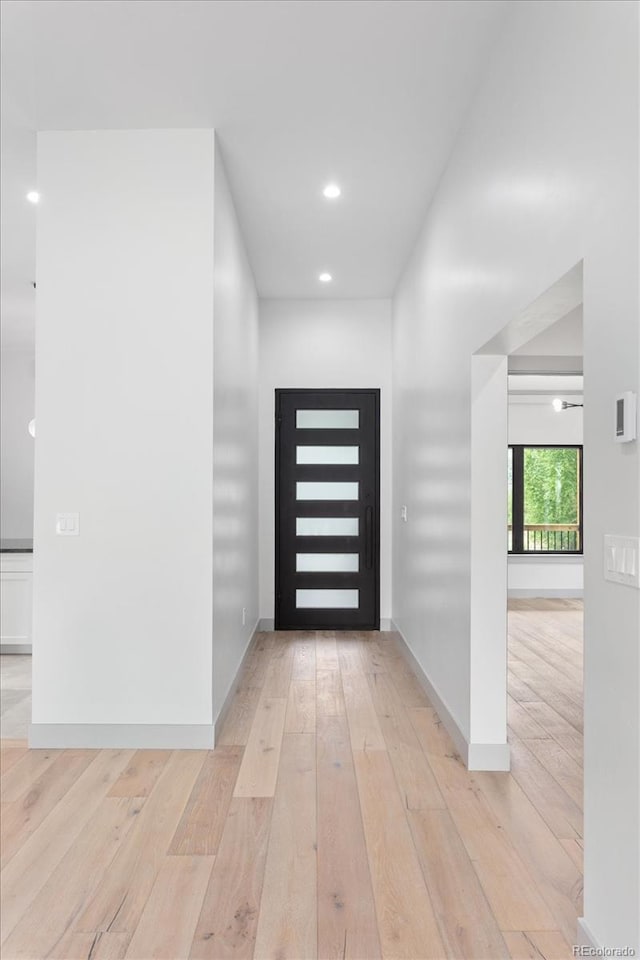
pixel 622 559
pixel 68 524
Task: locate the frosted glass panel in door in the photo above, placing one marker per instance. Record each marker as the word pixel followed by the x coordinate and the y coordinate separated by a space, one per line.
pixel 327 490
pixel 327 599
pixel 322 454
pixel 327 419
pixel 326 526
pixel 327 562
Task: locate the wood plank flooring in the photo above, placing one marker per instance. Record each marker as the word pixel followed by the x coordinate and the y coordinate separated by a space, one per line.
pixel 333 821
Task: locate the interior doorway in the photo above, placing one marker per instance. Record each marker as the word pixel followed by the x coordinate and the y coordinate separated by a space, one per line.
pixel 327 503
pixel 491 367
pixel 545 576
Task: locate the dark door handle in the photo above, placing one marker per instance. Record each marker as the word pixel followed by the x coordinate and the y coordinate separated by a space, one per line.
pixel 368 538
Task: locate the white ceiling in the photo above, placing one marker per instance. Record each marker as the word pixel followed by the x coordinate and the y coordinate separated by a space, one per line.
pixel 369 93
pixel 524 386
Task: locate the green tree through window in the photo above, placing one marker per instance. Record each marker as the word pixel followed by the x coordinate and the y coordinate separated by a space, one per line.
pixel 551 485
pixel 545 499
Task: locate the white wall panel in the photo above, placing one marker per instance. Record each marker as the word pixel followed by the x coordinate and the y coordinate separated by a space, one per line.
pixel 124 409
pixel 544 175
pixel 328 343
pixel 235 449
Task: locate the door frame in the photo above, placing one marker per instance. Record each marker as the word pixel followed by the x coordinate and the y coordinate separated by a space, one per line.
pixel 487 745
pixel 375 393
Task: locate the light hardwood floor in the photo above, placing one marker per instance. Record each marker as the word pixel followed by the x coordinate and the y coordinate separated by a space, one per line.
pixel 15 699
pixel 333 820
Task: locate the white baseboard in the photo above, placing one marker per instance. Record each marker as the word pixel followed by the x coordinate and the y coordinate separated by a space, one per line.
pixel 441 708
pixel 475 756
pixel 137 736
pixel 218 723
pixel 266 625
pixel 489 756
pixel 545 594
pixel 122 736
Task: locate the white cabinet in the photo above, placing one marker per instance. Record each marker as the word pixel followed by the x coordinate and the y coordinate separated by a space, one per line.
pixel 16 588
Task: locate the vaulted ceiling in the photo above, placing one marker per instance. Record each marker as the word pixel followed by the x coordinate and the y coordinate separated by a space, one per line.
pixel 367 93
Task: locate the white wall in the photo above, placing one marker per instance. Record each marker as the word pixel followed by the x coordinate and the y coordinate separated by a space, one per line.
pixel 533 420
pixel 323 343
pixel 545 576
pixel 124 409
pixel 487 747
pixel 16 450
pixel 235 446
pixel 543 175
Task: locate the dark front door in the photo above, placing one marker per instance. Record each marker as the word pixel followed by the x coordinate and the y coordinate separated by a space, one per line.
pixel 327 509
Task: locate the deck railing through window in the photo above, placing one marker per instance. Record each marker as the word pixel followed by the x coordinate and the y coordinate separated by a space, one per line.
pixel 550 537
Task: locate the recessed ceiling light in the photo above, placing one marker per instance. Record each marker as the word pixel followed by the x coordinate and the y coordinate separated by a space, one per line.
pixel 33 196
pixel 331 191
pixel 325 278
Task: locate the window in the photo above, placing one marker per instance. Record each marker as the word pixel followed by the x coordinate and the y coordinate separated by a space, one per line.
pixel 545 499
